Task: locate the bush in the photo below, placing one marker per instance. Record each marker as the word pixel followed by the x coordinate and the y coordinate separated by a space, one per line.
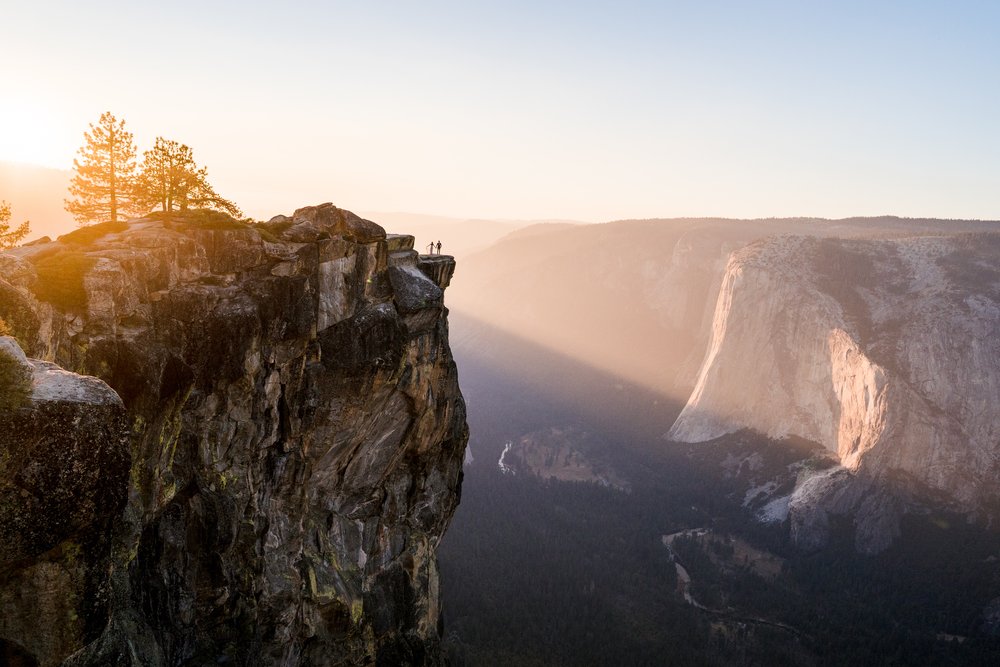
pixel 15 383
pixel 87 235
pixel 271 231
pixel 60 279
pixel 200 218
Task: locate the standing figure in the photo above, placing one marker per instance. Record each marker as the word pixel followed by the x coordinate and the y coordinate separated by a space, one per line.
pixel 439 247
pixel 430 248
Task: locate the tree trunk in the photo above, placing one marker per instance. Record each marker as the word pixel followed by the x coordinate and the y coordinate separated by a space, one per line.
pixel 114 185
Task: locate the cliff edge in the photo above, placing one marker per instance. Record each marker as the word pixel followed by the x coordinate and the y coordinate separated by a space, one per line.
pixel 295 428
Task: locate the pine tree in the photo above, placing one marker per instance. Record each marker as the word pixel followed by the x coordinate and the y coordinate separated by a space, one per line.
pixel 170 179
pixel 102 187
pixel 8 237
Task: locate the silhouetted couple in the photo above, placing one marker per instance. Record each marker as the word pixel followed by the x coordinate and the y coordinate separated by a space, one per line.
pixel 430 248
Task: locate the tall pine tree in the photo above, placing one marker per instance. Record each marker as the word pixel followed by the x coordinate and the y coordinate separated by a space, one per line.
pixel 171 179
pixel 102 187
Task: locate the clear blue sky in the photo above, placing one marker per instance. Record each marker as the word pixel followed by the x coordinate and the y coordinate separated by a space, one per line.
pixel 532 109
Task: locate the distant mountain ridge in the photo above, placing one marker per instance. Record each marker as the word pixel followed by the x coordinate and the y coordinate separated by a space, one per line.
pixel 459 237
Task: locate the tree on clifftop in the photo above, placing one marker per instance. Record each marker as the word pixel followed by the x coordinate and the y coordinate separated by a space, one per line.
pixel 170 178
pixel 10 237
pixel 102 186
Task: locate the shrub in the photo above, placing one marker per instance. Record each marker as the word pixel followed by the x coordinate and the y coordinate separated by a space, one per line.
pixel 60 279
pixel 200 218
pixel 87 235
pixel 271 231
pixel 15 383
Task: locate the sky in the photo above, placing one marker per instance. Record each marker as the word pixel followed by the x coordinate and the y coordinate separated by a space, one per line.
pixel 587 110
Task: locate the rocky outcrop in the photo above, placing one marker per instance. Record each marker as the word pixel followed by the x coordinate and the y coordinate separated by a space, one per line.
pixel 567 454
pixel 64 464
pixel 883 351
pixel 296 431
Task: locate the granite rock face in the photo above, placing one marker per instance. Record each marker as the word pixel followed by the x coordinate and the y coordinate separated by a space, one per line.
pixel 886 352
pixel 64 464
pixel 296 431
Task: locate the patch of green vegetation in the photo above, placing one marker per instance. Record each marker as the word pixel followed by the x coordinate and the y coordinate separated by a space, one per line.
pixel 267 234
pixel 200 218
pixel 60 279
pixel 272 231
pixel 15 383
pixel 87 235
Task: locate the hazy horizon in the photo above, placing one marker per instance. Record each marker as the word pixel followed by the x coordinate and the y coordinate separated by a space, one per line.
pixel 691 354
pixel 525 111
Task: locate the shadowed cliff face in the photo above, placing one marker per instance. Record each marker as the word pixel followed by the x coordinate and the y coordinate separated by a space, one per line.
pixel 297 432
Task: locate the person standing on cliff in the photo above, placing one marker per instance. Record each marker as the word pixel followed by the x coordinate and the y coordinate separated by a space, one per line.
pixel 430 248
pixel 439 247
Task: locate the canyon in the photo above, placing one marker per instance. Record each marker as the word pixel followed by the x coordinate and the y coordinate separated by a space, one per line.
pixel 872 339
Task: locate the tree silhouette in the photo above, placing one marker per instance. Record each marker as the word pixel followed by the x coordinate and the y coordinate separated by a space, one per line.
pixel 171 180
pixel 102 187
pixel 10 237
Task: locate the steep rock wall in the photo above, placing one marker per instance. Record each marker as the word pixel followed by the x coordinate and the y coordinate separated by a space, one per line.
pixel 886 352
pixel 297 433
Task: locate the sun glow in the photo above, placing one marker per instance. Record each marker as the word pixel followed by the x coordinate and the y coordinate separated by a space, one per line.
pixel 35 135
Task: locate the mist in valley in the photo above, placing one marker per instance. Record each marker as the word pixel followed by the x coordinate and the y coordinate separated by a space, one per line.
pixel 643 333
pixel 579 346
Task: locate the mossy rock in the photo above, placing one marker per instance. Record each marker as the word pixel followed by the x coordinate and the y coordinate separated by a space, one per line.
pixel 271 231
pixel 60 279
pixel 15 383
pixel 87 235
pixel 17 318
pixel 200 218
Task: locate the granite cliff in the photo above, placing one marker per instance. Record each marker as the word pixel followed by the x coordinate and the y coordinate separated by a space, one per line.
pixel 805 330
pixel 884 352
pixel 635 298
pixel 288 401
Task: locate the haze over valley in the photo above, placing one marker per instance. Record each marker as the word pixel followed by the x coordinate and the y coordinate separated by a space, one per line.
pixel 775 379
pixel 642 333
